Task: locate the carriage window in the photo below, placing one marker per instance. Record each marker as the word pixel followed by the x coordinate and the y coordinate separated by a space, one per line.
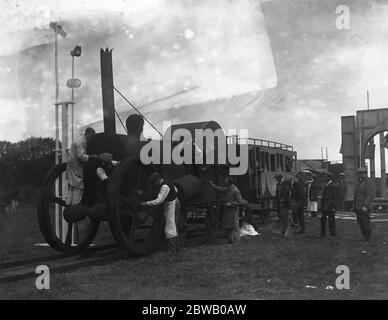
pixel 279 162
pixel 262 160
pixel 288 164
pixel 267 160
pixel 273 162
pixel 281 159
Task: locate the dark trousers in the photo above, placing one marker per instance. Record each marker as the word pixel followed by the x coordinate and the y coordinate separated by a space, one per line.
pixel 328 215
pixel 284 220
pixel 298 211
pixel 233 235
pixel 363 220
pixel 173 245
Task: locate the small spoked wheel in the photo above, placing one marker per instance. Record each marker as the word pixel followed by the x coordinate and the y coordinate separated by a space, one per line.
pixel 137 229
pixel 70 238
pixel 211 221
pixel 182 223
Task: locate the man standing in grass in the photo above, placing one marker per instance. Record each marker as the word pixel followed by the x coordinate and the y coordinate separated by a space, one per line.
pixel 329 206
pixel 283 200
pixel 298 194
pixel 233 200
pixel 363 197
pixel 168 198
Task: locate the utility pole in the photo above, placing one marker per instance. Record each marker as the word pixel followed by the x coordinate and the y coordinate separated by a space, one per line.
pixel 382 166
pixel 367 98
pixel 58 31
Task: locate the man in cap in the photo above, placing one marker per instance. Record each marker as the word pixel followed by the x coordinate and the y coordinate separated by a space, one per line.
pixel 329 205
pixel 363 197
pixel 168 197
pixel 132 144
pixel 283 200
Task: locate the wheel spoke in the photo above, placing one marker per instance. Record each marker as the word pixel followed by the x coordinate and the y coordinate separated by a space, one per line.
pixel 136 221
pixel 126 200
pixel 139 179
pixel 57 200
pixel 69 234
pixel 49 202
pixel 137 228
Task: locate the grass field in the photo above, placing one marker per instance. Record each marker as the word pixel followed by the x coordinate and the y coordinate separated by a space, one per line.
pixel 261 267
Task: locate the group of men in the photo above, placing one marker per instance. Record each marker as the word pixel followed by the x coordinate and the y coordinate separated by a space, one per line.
pixel 78 157
pixel 292 196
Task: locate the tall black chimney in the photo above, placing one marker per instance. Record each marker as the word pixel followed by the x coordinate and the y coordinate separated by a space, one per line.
pixel 108 104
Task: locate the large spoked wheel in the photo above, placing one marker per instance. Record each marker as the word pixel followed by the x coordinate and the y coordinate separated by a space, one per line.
pixel 136 228
pixel 52 228
pixel 182 224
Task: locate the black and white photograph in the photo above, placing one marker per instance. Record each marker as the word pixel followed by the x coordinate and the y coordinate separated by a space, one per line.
pixel 194 155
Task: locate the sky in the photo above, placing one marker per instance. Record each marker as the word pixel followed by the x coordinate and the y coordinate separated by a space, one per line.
pixel 279 68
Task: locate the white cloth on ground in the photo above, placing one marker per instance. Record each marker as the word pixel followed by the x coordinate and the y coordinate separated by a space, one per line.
pixel 248 230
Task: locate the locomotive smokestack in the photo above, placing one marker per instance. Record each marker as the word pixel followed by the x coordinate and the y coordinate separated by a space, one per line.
pixel 107 91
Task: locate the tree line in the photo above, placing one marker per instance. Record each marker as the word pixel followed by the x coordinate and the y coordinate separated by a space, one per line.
pixel 23 166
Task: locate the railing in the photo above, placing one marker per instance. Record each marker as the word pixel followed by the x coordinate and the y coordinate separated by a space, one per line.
pixel 260 142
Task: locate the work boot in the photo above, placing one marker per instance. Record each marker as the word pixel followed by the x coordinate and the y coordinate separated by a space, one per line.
pixel 178 244
pixel 172 245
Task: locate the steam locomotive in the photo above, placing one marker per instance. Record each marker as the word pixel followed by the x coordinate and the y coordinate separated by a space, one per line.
pixel 139 229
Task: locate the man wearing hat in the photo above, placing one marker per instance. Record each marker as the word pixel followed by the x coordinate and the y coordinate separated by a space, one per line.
pixel 329 205
pixel 298 195
pixel 283 200
pixel 363 197
pixel 168 197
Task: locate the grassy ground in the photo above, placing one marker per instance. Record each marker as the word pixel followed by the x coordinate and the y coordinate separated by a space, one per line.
pixel 20 231
pixel 262 267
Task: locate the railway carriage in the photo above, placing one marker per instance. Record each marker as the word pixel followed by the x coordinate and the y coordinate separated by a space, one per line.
pixel 266 159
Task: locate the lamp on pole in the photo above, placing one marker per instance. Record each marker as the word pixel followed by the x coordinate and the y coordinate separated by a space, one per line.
pixel 73 83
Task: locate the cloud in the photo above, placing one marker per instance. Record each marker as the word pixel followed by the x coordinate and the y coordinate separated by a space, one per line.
pixel 206 51
pixel 172 60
